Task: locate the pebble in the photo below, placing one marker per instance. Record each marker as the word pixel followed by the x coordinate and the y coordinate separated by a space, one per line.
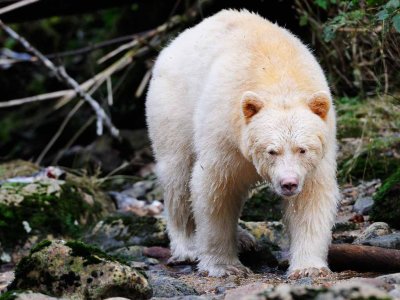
pixel 374 230
pixel 391 241
pixel 363 205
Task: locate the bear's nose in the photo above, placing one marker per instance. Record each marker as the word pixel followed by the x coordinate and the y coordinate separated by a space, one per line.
pixel 289 185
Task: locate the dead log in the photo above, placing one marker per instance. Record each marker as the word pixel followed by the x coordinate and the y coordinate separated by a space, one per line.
pixel 363 258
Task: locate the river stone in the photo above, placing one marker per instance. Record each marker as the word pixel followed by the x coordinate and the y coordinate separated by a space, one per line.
pixel 372 231
pixel 271 233
pixel 167 287
pixel 344 290
pixel 77 271
pixel 363 205
pixel 390 278
pixel 125 229
pixel 391 241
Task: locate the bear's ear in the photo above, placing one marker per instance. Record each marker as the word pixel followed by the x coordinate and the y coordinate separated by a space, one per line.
pixel 251 104
pixel 319 103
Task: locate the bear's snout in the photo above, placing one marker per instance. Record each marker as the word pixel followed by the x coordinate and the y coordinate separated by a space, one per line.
pixel 289 186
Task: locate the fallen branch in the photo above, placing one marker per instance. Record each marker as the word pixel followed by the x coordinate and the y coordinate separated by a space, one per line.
pixel 102 118
pixel 363 258
pixel 16 5
pixel 40 97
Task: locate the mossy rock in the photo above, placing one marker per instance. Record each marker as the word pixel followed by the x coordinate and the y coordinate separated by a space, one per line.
pixel 63 208
pixel 17 168
pixel 125 229
pixel 387 202
pixel 75 270
pixel 262 205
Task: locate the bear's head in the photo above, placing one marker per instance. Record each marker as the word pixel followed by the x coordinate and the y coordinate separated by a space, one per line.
pixel 285 140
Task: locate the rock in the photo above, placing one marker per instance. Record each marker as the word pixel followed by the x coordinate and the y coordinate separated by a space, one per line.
pixel 125 229
pixel 262 205
pixel 131 253
pixel 40 205
pixel 17 168
pixel 138 207
pixel 5 279
pixel 372 231
pixel 395 293
pixel 271 233
pixel 242 291
pixel 140 189
pixel 391 241
pixel 387 202
pixel 363 205
pixel 35 296
pixel 78 271
pixel 391 278
pixel 165 286
pixel 343 290
pixel 157 252
pixel 191 297
pixel 271 240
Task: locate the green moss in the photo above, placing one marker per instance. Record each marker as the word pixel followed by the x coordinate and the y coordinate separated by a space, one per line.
pixel 387 201
pixel 41 245
pixel 65 214
pixel 10 295
pixel 91 254
pixel 137 226
pixel 263 205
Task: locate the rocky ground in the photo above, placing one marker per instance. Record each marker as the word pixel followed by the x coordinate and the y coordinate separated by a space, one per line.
pixel 123 247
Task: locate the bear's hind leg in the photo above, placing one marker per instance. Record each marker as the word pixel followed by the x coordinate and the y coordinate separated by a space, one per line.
pixel 174 175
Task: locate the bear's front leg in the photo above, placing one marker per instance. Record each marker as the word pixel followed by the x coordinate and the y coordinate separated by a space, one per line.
pixel 217 202
pixel 310 217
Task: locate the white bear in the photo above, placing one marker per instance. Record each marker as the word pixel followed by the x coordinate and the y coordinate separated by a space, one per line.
pixel 233 101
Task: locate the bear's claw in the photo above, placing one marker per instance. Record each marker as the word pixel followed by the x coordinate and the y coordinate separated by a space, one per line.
pixel 179 260
pixel 227 270
pixel 309 272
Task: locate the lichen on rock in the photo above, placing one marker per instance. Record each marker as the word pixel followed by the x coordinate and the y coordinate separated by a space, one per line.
pixel 75 270
pixel 47 206
pixel 125 229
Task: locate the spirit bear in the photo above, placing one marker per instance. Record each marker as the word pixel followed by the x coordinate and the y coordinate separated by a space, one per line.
pixel 233 101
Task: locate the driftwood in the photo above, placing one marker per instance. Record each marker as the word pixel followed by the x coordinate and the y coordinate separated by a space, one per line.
pixel 363 258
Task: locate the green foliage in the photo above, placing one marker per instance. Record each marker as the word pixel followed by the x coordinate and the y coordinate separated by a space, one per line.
pixel 351 13
pixel 357 42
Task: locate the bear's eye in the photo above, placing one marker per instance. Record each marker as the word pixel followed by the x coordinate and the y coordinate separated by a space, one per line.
pixel 302 151
pixel 272 152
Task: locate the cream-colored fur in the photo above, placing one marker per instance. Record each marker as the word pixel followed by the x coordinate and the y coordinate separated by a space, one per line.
pixel 235 100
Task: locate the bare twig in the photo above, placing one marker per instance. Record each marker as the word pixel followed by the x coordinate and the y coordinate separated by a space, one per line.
pixel 16 5
pixel 42 97
pixel 142 39
pixel 102 118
